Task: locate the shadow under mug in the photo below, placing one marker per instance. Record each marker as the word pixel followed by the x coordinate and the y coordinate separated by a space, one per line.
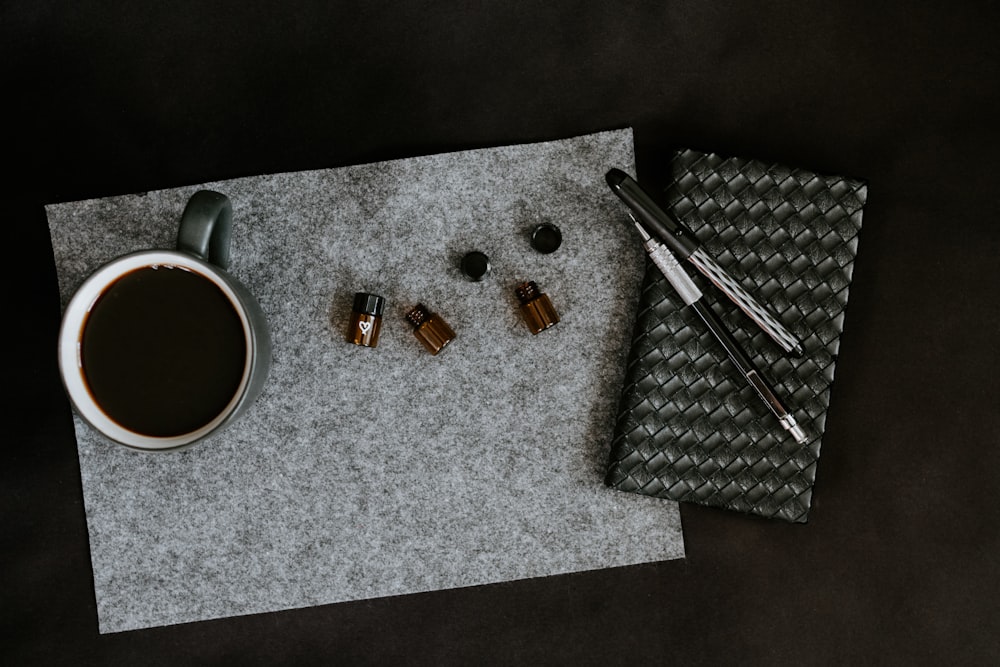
pixel 161 349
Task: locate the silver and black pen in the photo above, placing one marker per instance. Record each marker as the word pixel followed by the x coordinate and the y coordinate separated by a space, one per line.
pixel 685 245
pixel 686 288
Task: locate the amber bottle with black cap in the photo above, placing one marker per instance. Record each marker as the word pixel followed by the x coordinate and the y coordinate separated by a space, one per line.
pixel 429 328
pixel 366 319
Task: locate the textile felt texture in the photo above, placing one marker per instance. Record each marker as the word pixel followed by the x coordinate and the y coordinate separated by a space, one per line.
pixel 360 472
pixel 690 428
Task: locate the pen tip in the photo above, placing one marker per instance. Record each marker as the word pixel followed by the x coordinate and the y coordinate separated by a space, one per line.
pixel 642 230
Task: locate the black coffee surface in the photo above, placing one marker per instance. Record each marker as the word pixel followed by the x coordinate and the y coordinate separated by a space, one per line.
pixel 163 351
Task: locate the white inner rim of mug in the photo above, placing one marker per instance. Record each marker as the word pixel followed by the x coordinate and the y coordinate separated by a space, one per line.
pixel 71 334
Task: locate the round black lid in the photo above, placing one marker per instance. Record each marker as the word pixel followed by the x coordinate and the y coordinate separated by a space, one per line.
pixel 475 265
pixel 546 238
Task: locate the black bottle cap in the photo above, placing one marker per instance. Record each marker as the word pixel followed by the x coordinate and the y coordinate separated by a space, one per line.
pixel 546 238
pixel 369 304
pixel 475 265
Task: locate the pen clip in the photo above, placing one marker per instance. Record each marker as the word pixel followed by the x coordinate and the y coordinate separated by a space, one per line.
pixel 735 292
pixel 686 246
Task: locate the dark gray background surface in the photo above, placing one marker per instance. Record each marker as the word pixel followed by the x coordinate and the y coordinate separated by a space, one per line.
pixel 898 563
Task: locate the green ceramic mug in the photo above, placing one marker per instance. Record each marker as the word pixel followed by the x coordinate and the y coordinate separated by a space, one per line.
pixel 161 349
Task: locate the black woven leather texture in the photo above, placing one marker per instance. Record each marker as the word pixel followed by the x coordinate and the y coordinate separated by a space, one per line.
pixel 690 428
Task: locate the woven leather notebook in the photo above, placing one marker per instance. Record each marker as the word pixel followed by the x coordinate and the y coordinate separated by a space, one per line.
pixel 689 426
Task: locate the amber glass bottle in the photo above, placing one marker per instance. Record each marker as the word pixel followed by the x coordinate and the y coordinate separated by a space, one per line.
pixel 536 307
pixel 429 328
pixel 366 319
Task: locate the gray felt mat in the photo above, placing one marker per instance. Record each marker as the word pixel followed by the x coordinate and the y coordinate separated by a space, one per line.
pixel 365 472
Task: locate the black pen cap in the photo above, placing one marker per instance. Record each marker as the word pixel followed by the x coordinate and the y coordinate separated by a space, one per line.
pixel 676 236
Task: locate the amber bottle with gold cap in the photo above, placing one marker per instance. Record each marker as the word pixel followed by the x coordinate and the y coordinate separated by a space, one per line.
pixel 429 328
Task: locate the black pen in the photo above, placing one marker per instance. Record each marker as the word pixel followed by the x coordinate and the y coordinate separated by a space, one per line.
pixel 685 244
pixel 692 296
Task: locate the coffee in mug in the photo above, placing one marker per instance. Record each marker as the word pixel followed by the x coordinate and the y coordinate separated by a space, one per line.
pixel 160 349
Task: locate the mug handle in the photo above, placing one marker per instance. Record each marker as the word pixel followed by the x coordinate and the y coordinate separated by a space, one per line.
pixel 207 227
